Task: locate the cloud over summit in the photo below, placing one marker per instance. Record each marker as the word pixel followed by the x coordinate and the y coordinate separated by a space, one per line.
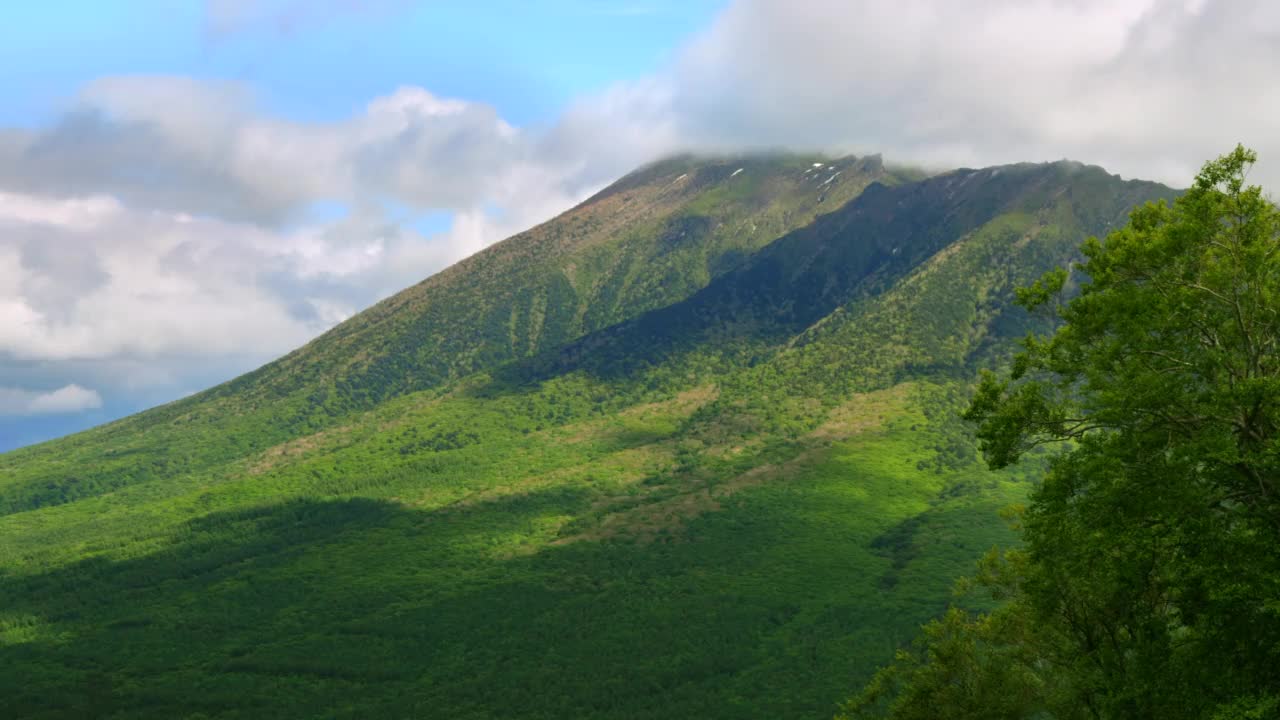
pixel 1148 88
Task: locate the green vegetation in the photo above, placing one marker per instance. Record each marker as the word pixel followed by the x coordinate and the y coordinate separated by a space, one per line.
pixel 1148 584
pixel 690 450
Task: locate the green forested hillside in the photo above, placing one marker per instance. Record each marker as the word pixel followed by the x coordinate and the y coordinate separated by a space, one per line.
pixel 690 450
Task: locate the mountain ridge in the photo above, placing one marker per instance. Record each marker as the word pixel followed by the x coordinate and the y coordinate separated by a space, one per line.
pixel 728 495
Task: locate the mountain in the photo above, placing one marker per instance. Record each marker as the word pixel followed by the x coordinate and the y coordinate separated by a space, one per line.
pixel 651 239
pixel 688 450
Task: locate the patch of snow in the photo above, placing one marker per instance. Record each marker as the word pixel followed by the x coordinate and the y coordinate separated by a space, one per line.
pixel 735 172
pixel 817 164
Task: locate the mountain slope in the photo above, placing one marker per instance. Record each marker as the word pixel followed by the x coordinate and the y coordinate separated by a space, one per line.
pixel 651 239
pixel 870 243
pixel 727 481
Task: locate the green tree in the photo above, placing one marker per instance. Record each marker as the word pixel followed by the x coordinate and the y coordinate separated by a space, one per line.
pixel 1000 664
pixel 1150 583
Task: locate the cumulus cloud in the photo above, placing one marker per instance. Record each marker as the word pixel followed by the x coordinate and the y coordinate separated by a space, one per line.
pixel 1149 88
pixel 110 281
pixel 204 147
pixel 67 399
pixel 191 248
pixel 91 278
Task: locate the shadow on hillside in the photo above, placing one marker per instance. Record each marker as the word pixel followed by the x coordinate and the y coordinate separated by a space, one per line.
pixel 857 251
pixel 249 604
pixel 366 608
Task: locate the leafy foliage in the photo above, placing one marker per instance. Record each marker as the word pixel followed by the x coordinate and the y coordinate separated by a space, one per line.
pixel 1150 576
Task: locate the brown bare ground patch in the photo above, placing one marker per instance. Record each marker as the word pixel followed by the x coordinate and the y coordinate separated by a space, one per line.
pixel 862 412
pixel 646 522
pixel 412 413
pixel 625 467
pixel 681 406
pixel 278 454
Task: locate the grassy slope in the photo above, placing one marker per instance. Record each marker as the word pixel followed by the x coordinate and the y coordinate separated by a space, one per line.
pixel 650 240
pixel 702 536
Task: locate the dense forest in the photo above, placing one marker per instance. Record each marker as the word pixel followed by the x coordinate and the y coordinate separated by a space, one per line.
pixel 715 443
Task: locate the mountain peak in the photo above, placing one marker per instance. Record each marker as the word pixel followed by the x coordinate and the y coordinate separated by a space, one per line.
pixel 647 444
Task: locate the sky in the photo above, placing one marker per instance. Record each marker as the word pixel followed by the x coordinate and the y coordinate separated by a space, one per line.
pixel 190 189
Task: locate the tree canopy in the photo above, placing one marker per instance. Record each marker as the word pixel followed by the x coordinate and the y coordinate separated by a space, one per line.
pixel 1149 582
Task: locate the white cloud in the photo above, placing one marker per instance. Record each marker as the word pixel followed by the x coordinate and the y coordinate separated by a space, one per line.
pixel 68 399
pixel 155 303
pixel 1148 88
pixel 204 147
pixel 139 283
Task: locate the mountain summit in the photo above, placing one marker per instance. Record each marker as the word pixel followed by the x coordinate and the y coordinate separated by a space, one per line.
pixel 689 449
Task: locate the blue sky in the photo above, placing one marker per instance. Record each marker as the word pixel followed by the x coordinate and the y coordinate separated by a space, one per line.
pixel 527 59
pixel 191 188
